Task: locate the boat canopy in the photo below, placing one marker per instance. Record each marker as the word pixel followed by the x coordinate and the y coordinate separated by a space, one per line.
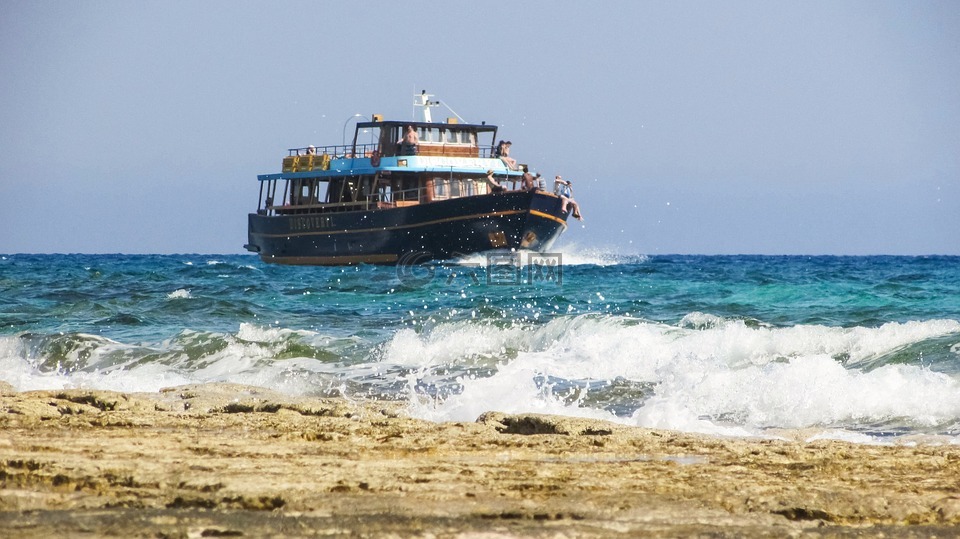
pixel 451 123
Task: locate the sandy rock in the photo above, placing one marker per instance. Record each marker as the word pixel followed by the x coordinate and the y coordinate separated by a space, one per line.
pixel 231 460
pixel 948 509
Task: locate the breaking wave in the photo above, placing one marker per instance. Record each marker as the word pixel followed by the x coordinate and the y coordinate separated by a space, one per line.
pixel 705 374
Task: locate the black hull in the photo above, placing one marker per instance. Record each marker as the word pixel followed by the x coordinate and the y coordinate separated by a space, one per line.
pixel 438 230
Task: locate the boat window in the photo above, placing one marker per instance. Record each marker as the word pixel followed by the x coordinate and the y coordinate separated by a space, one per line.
pixel 428 134
pixel 440 188
pixel 454 188
pixel 451 136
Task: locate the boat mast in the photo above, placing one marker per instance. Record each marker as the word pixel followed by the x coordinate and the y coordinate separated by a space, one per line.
pixel 422 100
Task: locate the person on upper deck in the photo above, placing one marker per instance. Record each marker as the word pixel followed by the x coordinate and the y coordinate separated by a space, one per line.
pixel 410 142
pixel 503 152
pixel 564 189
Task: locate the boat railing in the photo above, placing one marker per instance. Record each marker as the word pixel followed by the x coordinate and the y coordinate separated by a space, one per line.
pixel 340 151
pixel 383 199
pixel 426 194
pixel 348 151
pixel 398 198
pixel 312 158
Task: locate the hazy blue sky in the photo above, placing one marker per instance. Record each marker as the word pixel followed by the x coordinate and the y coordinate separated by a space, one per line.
pixel 687 127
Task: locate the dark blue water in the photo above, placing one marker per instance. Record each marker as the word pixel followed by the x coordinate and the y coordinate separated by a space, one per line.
pixel 857 347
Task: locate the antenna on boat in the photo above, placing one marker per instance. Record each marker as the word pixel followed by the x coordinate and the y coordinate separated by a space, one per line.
pixel 422 100
pixel 454 113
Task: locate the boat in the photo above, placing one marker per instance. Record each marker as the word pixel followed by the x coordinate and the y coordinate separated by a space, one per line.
pixel 377 200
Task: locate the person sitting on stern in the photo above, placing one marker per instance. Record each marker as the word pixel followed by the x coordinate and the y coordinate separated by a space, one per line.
pixel 564 189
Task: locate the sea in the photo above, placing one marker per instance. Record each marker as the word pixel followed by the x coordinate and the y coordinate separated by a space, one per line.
pixel 864 349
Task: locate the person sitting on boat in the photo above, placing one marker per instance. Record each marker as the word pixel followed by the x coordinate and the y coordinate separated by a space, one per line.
pixel 503 152
pixel 564 189
pixel 410 142
pixel 311 150
pixel 528 182
pixel 495 186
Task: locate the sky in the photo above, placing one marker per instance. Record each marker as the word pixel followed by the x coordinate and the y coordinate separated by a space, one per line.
pixel 689 127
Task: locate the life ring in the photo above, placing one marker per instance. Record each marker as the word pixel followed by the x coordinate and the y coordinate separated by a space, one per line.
pixel 375 158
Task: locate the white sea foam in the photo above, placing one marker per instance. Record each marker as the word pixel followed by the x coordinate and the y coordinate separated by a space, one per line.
pixel 706 374
pixel 181 293
pixel 450 344
pixel 724 378
pixel 255 333
pixel 577 255
pixel 843 436
pixel 570 255
pixel 249 357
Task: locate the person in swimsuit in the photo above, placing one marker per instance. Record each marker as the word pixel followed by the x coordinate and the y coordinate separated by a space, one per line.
pixel 504 151
pixel 495 186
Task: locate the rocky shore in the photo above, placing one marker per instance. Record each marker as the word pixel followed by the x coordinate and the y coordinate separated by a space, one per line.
pixel 237 461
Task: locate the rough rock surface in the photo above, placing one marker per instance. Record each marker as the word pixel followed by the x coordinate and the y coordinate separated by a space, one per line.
pixel 234 461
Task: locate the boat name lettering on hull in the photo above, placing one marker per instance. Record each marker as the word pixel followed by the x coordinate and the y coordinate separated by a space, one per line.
pixel 310 222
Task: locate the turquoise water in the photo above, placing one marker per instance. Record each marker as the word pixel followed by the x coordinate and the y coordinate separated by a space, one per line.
pixel 860 348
